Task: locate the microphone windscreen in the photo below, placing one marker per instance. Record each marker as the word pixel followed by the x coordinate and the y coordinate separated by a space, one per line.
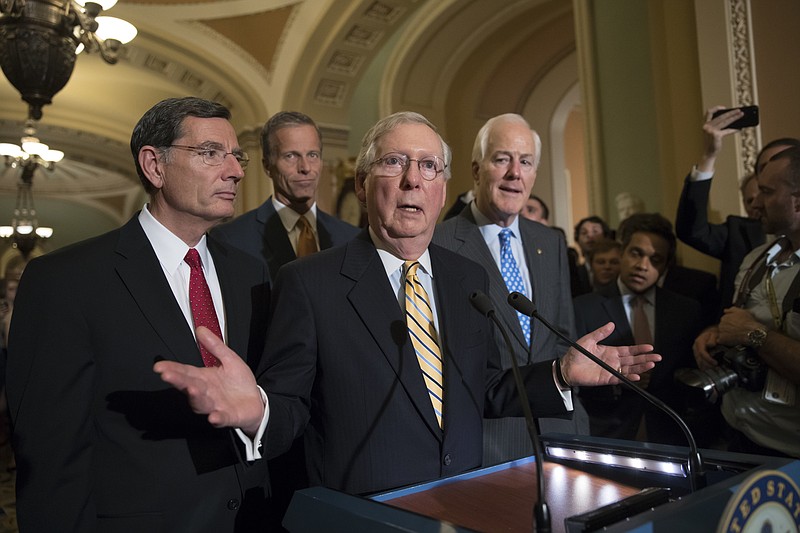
pixel 521 303
pixel 481 302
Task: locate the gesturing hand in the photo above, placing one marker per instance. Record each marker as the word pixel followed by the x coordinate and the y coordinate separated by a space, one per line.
pixel 228 393
pixel 631 361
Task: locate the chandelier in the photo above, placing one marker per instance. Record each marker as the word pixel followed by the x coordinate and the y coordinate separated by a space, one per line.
pixel 39 40
pixel 25 233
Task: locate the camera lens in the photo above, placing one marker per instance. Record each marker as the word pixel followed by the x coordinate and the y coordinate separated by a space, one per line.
pixel 706 386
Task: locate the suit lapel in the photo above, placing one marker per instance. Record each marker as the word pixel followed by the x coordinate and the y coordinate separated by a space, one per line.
pixel 616 312
pixel 236 308
pixel 373 300
pixel 536 274
pixel 324 236
pixel 277 248
pixel 140 271
pixel 474 247
pixel 452 308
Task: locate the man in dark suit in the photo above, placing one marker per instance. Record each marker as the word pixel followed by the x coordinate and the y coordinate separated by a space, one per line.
pixel 101 443
pixel 276 232
pixel 668 320
pixel 504 160
pixel 731 240
pixel 291 145
pixel 588 231
pixel 349 348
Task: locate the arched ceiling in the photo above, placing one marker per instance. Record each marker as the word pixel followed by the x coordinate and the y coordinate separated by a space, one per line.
pixel 457 61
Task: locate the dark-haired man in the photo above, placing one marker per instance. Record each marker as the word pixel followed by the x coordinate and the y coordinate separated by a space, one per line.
pixel 642 312
pixel 588 231
pixel 767 319
pixel 101 443
pixel 731 240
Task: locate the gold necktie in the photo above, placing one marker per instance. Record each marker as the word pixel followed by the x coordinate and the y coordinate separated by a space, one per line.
pixel 306 242
pixel 419 318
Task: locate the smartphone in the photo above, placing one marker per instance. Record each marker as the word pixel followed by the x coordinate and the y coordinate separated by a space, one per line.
pixel 749 119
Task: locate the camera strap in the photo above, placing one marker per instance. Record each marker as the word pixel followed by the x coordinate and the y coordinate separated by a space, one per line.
pixel 760 270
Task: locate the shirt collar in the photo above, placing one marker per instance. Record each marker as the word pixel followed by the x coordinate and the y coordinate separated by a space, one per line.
pixel 392 263
pixel 628 295
pixel 289 216
pixel 490 230
pixel 169 248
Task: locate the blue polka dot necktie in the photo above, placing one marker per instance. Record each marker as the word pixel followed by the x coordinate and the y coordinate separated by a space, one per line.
pixel 513 278
pixel 201 303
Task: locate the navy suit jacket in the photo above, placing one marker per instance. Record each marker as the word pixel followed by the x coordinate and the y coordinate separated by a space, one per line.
pixel 102 444
pixel 616 411
pixel 729 242
pixel 546 257
pixel 261 234
pixel 338 353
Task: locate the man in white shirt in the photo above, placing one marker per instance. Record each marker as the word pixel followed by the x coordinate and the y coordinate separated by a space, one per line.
pixel 643 313
pixel 291 145
pixel 101 443
pixel 766 321
pixel 343 353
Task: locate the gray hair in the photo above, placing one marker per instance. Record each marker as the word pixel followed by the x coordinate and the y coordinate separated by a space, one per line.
pixel 369 144
pixel 482 139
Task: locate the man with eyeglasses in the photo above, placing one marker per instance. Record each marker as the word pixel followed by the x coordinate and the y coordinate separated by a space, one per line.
pixel 518 255
pixel 373 347
pixel 288 224
pixel 101 443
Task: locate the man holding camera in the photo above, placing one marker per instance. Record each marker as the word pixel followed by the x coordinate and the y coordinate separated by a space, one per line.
pixel 766 320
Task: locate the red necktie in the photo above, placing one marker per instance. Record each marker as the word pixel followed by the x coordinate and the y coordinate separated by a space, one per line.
pixel 202 305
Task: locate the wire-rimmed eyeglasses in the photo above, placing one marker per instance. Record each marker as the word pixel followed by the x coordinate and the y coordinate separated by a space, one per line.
pixel 214 157
pixel 393 165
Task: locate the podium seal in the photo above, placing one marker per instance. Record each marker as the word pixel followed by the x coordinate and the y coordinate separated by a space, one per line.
pixel 767 501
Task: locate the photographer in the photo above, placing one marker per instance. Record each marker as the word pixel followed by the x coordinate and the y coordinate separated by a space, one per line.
pixel 766 320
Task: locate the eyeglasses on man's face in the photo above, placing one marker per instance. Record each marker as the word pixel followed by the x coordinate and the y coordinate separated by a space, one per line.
pixel 214 157
pixel 392 165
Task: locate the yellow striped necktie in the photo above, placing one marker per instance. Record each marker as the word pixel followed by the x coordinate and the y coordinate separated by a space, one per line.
pixel 419 318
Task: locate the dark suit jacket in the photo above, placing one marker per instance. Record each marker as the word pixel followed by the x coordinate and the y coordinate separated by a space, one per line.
pixel 339 352
pixel 102 444
pixel 545 255
pixel 729 242
pixel 615 411
pixel 261 234
pixel 699 286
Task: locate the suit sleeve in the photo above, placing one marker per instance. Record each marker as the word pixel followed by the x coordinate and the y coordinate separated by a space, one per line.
pixel 691 221
pixel 565 321
pixel 288 367
pixel 543 395
pixel 50 386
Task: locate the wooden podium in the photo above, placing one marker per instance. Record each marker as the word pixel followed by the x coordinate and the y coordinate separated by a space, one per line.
pixel 601 479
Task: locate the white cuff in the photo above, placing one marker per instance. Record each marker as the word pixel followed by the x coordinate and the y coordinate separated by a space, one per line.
pixel 252 448
pixel 696 175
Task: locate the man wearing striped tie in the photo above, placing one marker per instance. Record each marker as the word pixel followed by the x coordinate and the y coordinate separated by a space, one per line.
pixel 374 349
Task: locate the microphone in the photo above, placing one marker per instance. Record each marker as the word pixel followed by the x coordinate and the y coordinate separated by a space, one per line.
pixel 541 513
pixel 695 469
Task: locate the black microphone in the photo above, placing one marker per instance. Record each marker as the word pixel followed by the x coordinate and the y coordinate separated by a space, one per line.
pixel 695 468
pixel 541 513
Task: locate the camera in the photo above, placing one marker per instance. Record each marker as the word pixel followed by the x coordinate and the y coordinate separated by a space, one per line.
pixel 737 366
